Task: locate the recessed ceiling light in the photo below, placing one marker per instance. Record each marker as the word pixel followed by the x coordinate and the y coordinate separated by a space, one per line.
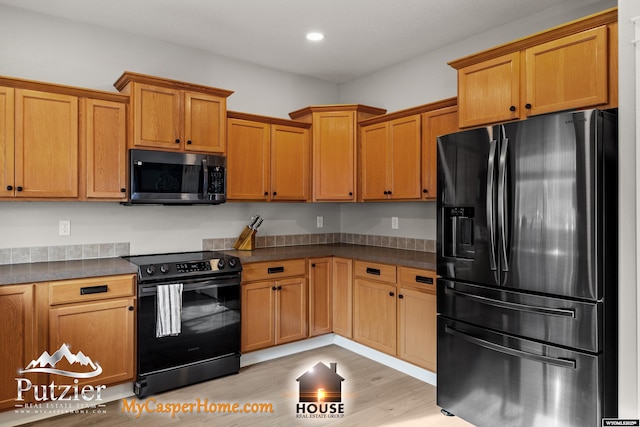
pixel 315 36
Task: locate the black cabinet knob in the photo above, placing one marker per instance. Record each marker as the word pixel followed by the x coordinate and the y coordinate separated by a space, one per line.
pixel 273 288
pixel 386 192
pixel 313 265
pixel 279 288
pixel 19 188
pixel 189 142
pixel 527 106
pixel 400 296
pixel 9 187
pixel 351 193
pixel 391 294
pixel 389 192
pixel 123 190
pixel 266 193
pixel 275 193
pixel 130 308
pixel 512 108
pixel 177 141
pixel 425 191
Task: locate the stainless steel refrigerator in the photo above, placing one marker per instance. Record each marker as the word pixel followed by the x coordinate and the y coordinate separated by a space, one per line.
pixel 527 260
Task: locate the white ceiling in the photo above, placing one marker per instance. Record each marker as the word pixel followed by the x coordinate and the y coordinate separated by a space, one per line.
pixel 361 36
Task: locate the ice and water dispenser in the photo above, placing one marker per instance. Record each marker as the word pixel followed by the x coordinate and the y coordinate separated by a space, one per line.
pixel 458 232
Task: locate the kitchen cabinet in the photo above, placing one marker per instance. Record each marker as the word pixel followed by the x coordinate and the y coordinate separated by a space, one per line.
pixel 437 122
pixel 417 329
pixel 273 303
pixel 390 155
pixel 334 140
pixel 39 144
pixel 267 159
pixel 567 67
pixel 374 313
pixel 19 346
pixel 320 296
pixel 103 134
pixel 97 317
pixel 343 297
pixel 173 115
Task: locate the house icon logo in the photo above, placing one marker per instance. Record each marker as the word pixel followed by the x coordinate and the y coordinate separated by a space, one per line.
pixel 46 363
pixel 320 392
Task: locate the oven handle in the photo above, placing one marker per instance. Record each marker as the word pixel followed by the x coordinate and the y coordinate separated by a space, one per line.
pixel 191 286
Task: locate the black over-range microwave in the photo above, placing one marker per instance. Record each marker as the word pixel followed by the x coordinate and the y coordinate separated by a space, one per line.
pixel 170 178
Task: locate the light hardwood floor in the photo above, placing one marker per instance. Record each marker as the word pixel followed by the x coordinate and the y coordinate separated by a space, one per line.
pixel 373 395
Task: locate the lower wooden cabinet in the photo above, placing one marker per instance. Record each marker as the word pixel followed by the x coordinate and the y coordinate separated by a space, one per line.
pixel 320 296
pixel 103 331
pixel 273 311
pixel 417 334
pixel 17 330
pixel 99 324
pixel 374 315
pixel 343 297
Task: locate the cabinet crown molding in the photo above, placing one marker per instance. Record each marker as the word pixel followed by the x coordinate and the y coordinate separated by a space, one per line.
pixel 128 77
pixel 449 102
pixel 266 119
pixel 62 89
pixel 336 107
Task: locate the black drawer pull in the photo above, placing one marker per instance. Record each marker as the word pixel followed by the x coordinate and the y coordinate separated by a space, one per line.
pixel 375 271
pixel 94 290
pixel 425 280
pixel 272 270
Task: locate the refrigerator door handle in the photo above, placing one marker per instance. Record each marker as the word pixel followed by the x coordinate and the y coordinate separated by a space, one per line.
pixel 490 214
pixel 564 312
pixel 502 182
pixel 561 362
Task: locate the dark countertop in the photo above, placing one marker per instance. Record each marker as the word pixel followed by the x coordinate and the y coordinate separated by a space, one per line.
pixel 406 258
pixel 13 274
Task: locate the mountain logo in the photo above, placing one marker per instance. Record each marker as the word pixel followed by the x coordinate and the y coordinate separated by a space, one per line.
pixel 46 363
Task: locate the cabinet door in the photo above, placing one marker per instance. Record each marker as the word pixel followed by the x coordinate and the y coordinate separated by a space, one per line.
pixel 290 160
pixel 258 315
pixel 489 92
pixel 104 137
pixel 343 297
pixel 434 123
pixel 46 144
pixel 291 310
pixel 204 122
pixel 567 73
pixel 320 296
pixel 334 158
pixel 18 339
pixel 156 117
pixel 404 163
pixel 7 174
pixel 374 315
pixel 374 157
pixel 417 327
pixel 102 331
pixel 248 160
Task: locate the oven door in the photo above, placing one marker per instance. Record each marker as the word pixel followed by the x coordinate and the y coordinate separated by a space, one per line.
pixel 210 325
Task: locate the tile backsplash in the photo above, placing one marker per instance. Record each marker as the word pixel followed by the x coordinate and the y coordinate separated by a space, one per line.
pixel 63 252
pixel 108 250
pixel 422 245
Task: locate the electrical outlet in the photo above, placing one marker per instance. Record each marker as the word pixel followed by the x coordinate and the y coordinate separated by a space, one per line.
pixel 394 222
pixel 319 221
pixel 64 227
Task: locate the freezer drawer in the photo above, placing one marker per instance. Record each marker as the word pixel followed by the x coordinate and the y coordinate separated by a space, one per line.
pixel 559 321
pixel 493 379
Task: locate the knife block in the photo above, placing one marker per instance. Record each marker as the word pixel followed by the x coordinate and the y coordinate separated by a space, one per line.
pixel 246 241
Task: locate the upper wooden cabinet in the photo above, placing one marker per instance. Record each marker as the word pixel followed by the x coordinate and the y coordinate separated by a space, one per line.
pixel 174 115
pixel 46 145
pixel 440 121
pixel 267 159
pixel 390 160
pixel 335 135
pixel 103 136
pixel 567 67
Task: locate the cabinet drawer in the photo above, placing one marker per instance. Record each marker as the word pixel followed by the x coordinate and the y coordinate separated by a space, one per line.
pixel 376 271
pixel 91 289
pixel 424 279
pixel 273 270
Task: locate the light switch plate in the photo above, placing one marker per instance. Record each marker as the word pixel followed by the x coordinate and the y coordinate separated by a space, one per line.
pixel 394 222
pixel 319 221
